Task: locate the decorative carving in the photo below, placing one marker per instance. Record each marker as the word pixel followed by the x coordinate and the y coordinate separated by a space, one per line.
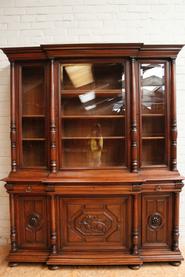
pixel 99 223
pixel 34 221
pixel 94 224
pixel 155 221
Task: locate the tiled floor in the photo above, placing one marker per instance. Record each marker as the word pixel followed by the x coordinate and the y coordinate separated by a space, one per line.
pixel 37 270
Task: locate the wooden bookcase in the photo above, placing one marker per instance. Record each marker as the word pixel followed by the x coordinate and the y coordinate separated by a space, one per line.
pixel 94 177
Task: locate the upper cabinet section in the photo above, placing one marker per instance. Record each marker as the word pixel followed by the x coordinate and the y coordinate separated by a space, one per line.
pixel 93 108
pixel 33 116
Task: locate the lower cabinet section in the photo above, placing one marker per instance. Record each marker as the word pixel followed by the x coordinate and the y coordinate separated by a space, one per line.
pixel 127 227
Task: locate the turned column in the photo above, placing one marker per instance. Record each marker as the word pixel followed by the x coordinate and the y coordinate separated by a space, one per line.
pixel 13 130
pixel 53 226
pixel 175 239
pixel 53 163
pixel 134 158
pixel 135 231
pixel 12 224
pixel 173 120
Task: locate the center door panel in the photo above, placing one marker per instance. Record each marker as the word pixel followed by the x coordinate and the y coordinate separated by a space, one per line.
pixel 94 223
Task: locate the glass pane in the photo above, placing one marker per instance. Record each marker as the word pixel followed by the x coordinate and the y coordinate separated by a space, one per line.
pixel 153 111
pixel 33 117
pixel 152 88
pixel 32 91
pixel 153 126
pixel 93 115
pixel 33 128
pixel 33 153
pixel 153 152
pixel 92 153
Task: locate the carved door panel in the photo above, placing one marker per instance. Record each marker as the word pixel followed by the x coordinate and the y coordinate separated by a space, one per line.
pixel 31 219
pixel 156 220
pixel 94 223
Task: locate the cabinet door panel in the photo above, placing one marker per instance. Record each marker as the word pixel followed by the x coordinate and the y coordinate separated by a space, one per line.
pixel 94 222
pixel 32 222
pixel 156 220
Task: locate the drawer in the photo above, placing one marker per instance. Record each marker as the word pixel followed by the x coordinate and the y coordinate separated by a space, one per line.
pixel 28 188
pixel 159 187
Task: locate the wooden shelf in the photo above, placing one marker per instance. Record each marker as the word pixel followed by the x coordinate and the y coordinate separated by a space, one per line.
pixel 91 116
pixel 84 138
pixel 33 116
pixel 75 91
pixel 33 139
pixel 150 138
pixel 153 115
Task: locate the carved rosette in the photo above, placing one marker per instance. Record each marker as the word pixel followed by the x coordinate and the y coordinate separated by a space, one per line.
pixel 155 221
pixel 33 221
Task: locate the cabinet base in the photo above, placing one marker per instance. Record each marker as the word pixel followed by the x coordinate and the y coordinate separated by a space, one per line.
pixel 94 259
pixel 54 261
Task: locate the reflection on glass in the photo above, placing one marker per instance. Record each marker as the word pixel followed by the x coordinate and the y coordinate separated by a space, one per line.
pixel 92 114
pixel 153 113
pixel 79 74
pixel 153 88
pixel 96 145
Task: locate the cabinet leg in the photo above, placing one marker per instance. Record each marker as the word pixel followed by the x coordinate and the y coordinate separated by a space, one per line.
pixel 177 263
pixel 134 266
pixel 12 264
pixel 53 267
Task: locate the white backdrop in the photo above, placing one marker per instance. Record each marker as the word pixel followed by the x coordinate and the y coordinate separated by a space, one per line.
pixel 34 22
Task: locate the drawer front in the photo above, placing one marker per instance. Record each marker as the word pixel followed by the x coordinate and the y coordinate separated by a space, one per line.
pixel 94 223
pixel 156 220
pixel 28 188
pixel 32 222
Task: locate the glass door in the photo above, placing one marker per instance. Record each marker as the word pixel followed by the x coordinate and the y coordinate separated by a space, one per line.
pixel 92 115
pixel 33 117
pixel 153 113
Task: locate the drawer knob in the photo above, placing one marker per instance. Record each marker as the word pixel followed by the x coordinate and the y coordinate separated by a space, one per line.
pixel 29 189
pixel 158 188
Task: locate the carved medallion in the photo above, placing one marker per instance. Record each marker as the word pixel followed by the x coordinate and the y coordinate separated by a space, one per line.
pixel 155 221
pixel 34 221
pixel 97 222
pixel 94 224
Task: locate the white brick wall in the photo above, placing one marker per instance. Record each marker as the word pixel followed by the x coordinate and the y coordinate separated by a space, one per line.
pixel 34 22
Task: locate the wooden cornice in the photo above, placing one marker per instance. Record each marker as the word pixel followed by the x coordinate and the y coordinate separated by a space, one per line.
pixel 137 50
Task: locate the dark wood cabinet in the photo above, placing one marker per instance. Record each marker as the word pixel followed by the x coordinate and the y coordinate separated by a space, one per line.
pixel 94 176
